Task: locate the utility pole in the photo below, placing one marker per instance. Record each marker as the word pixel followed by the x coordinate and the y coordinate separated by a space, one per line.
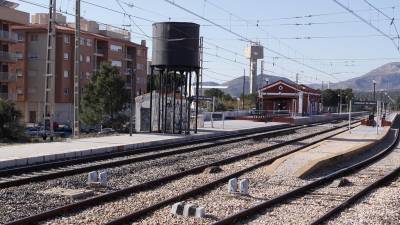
pixel 76 66
pixel 244 86
pixel 48 112
pixel 201 65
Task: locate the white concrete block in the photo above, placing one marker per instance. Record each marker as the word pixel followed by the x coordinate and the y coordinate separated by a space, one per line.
pixel 244 186
pixel 189 210
pixel 92 177
pixel 103 178
pixel 232 185
pixel 177 208
pixel 35 160
pixel 200 212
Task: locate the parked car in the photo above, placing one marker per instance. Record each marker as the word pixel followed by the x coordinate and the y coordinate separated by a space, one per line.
pixel 106 131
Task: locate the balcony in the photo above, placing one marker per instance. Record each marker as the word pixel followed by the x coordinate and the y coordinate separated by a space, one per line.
pixel 7 77
pixel 129 57
pixel 8 36
pixel 100 52
pixel 7 57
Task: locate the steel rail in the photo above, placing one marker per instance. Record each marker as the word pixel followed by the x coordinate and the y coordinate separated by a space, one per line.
pixel 157 182
pixel 208 186
pixel 132 151
pixel 353 199
pixel 234 218
pixel 51 174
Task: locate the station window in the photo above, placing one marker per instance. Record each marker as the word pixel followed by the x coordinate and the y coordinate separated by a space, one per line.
pixel 67 39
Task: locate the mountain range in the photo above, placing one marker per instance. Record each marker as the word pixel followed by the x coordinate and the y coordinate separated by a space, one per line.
pixel 386 76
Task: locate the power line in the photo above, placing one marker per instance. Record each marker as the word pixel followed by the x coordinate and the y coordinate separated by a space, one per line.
pixel 368 23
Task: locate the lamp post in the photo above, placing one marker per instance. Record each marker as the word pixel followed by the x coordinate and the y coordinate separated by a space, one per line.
pixel 374 83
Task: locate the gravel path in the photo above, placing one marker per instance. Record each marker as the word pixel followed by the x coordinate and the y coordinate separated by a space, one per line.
pixel 127 205
pixel 21 201
pixel 382 207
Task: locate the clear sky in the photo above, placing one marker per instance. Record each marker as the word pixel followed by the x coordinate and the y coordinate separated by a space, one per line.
pixel 317 33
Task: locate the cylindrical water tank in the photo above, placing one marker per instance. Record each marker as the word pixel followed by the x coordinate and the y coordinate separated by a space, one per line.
pixel 176 45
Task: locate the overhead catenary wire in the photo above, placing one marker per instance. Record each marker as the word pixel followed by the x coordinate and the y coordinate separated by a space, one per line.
pixel 243 38
pixel 368 23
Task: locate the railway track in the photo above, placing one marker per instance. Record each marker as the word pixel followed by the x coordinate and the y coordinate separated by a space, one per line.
pixel 316 202
pixel 35 173
pixel 187 173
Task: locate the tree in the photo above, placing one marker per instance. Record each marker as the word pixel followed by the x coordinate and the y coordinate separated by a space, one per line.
pixel 104 98
pixel 10 127
pixel 330 98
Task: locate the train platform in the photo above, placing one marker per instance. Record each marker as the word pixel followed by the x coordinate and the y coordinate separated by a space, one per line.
pixel 327 152
pixel 34 153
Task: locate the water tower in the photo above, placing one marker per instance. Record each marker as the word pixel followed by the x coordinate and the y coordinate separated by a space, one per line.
pixel 175 59
pixel 254 52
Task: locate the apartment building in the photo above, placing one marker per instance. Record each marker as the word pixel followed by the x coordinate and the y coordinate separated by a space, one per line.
pixel 97 45
pixel 8 59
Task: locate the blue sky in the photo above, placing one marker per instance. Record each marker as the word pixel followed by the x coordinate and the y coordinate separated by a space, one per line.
pixel 339 44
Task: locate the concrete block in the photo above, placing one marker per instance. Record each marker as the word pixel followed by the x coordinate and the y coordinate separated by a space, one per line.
pixel 92 177
pixel 21 162
pixel 35 160
pixel 189 210
pixel 244 186
pixel 7 163
pixel 103 178
pixel 200 212
pixel 177 208
pixel 232 185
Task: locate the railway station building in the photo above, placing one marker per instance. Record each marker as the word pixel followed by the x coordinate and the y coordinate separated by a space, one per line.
pixel 284 98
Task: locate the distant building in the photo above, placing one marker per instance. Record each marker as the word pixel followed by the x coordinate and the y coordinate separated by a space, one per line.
pixel 98 45
pixel 8 59
pixel 282 97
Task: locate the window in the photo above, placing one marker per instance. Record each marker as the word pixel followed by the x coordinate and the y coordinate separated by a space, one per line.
pixel 67 39
pixel 82 41
pixel 87 59
pixel 66 73
pixel 33 55
pixel 34 37
pixel 66 56
pixel 81 58
pixel 66 91
pixel 116 63
pixel 89 42
pixel 116 48
pixel 18 72
pixel 139 52
pixel 19 55
pixel 20 37
pixel 87 75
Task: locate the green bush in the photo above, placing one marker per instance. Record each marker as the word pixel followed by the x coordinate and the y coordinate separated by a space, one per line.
pixel 10 126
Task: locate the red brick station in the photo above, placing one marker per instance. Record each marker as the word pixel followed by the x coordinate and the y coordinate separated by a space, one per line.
pixel 283 98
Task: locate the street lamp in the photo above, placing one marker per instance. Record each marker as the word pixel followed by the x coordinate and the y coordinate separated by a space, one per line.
pixel 374 82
